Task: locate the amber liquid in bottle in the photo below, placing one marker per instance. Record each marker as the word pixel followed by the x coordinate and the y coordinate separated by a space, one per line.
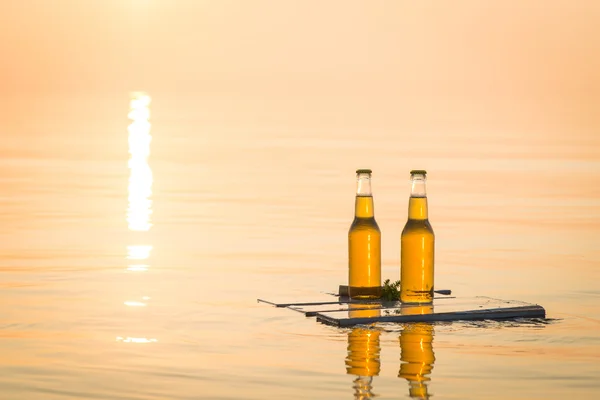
pixel 364 245
pixel 417 248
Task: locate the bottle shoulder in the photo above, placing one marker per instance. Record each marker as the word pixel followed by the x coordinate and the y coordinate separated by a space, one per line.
pixel 364 223
pixel 417 225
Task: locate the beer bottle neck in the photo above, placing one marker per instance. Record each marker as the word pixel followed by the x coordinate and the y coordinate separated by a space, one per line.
pixel 417 204
pixel 418 186
pixel 363 185
pixel 363 207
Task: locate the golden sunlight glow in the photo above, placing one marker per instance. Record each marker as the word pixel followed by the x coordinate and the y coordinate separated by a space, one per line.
pixel 138 252
pixel 140 178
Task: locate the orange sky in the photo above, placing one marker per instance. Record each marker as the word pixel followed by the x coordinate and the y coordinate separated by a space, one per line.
pixel 402 56
pixel 195 44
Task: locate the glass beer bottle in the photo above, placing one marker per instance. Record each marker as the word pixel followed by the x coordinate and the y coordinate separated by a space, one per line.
pixel 417 246
pixel 364 244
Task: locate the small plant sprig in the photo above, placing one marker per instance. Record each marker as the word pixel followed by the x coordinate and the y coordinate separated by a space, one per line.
pixel 390 291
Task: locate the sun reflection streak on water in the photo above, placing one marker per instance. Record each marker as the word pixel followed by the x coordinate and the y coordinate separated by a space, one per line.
pixel 135 340
pixel 135 304
pixel 140 178
pixel 140 191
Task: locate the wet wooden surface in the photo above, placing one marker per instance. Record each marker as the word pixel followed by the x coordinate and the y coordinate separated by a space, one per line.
pixel 333 309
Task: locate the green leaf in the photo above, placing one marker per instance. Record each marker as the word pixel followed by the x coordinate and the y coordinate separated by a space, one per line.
pixel 390 291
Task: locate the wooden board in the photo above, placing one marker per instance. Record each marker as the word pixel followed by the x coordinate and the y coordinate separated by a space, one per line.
pixel 450 309
pixel 339 310
pixel 343 291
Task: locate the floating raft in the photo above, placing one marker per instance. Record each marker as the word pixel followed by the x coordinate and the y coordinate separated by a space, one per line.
pixel 339 310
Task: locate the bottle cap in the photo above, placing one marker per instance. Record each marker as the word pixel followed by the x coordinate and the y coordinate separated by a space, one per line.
pixel 418 172
pixel 363 171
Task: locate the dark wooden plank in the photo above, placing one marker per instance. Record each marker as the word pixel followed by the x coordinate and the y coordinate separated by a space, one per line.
pixel 343 291
pixel 535 311
pixel 477 308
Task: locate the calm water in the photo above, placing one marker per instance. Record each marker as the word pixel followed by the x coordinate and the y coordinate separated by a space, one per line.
pixel 140 280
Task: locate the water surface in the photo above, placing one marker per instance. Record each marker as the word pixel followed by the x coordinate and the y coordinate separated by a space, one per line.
pixel 130 269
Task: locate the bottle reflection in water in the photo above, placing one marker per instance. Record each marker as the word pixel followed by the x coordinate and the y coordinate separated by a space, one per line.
pixel 417 358
pixel 363 354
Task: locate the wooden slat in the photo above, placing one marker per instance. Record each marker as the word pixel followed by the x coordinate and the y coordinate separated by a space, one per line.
pixel 343 291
